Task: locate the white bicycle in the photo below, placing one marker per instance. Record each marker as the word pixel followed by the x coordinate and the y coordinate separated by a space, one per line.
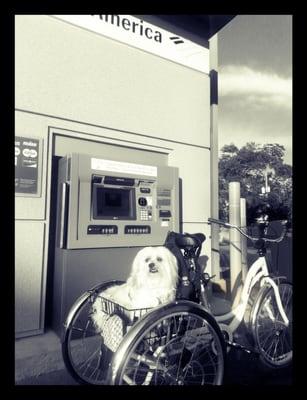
pixel 269 319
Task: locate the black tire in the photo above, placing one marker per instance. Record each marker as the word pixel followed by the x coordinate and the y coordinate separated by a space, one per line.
pixel 176 344
pixel 271 337
pixel 84 354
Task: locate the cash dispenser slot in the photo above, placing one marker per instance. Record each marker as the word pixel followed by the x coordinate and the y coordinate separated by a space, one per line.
pixel 137 229
pixel 165 214
pixel 102 230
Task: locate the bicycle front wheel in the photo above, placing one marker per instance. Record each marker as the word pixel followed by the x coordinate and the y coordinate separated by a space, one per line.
pixel 85 356
pixel 272 336
pixel 176 344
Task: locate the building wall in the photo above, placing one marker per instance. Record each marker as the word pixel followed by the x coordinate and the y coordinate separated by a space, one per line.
pixel 63 70
pixel 71 83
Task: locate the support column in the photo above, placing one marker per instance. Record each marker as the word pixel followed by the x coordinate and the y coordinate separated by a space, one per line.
pixel 235 238
pixel 243 238
pixel 214 159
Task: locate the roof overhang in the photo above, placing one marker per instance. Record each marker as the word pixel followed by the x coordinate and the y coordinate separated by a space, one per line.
pixel 198 28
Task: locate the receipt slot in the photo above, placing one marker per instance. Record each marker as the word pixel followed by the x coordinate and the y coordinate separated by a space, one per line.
pixel 106 211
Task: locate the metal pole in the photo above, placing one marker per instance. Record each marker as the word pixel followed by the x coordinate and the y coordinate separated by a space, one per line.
pixel 214 176
pixel 243 238
pixel 235 238
pixel 266 181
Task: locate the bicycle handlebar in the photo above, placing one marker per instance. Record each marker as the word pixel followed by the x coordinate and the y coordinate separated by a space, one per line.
pixel 228 225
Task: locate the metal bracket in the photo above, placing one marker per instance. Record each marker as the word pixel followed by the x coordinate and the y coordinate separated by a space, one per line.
pixel 241 347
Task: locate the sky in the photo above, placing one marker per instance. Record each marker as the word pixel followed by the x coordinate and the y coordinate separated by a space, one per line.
pixel 255 81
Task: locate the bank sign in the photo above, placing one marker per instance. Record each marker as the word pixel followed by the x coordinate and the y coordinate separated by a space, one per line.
pixel 142 35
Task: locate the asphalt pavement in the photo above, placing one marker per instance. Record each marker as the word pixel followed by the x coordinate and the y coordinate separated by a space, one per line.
pixel 241 369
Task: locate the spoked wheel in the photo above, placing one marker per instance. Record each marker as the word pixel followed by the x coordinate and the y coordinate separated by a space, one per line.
pixel 85 356
pixel 171 345
pixel 272 336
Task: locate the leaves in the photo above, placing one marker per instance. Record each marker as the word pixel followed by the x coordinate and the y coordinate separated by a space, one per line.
pixel 251 165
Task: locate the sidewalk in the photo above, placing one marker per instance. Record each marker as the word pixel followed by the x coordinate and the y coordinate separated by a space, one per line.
pixel 38 361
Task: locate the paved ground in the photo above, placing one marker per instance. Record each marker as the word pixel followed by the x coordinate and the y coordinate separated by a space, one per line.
pixel 242 370
pixel 39 362
pixel 245 369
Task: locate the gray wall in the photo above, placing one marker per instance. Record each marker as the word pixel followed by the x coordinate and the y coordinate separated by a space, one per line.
pixel 74 88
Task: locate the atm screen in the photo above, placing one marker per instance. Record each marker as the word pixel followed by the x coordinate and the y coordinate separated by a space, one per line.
pixel 114 203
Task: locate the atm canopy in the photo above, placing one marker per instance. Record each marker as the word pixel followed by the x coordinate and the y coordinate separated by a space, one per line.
pixel 198 28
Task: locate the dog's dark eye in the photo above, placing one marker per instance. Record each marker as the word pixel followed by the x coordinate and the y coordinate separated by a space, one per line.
pixel 159 259
pixel 147 259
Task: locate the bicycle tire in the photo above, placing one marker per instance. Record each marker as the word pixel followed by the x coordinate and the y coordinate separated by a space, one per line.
pixel 268 330
pixel 80 332
pixel 178 341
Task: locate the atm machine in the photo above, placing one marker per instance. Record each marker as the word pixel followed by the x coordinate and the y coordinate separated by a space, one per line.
pixel 106 211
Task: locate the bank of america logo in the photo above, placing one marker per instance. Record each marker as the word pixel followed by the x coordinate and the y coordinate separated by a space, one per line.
pixel 176 39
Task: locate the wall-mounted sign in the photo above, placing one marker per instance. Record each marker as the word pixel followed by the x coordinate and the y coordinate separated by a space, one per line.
pixel 123 167
pixel 27 165
pixel 143 35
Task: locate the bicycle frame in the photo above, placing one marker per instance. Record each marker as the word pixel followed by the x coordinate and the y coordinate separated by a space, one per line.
pixel 258 272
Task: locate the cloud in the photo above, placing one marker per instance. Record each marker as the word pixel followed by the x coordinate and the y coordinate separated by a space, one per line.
pixel 258 88
pixel 255 106
pixel 240 133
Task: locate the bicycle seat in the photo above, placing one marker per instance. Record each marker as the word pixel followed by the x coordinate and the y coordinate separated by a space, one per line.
pixel 184 240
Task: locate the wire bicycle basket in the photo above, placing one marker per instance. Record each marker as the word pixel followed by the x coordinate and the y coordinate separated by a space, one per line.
pixel 115 320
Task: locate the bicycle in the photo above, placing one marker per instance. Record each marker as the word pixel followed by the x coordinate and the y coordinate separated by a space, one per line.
pixel 270 317
pixel 180 343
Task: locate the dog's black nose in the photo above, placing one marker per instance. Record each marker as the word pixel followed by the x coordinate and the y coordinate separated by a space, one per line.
pixel 152 267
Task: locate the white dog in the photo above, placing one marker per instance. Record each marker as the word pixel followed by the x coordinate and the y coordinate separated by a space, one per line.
pixel 152 281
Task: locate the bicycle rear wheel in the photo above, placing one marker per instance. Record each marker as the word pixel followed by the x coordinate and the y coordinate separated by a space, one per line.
pixel 176 344
pixel 272 337
pixel 85 356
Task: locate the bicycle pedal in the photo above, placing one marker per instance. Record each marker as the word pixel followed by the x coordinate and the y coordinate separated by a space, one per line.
pixel 241 347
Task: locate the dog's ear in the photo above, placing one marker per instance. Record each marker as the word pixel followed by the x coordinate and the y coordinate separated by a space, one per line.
pixel 133 279
pixel 172 261
pixel 171 258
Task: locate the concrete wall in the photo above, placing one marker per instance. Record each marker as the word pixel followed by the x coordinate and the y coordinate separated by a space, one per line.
pixel 73 84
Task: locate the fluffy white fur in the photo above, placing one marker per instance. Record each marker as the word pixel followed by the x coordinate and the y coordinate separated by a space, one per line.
pixel 152 281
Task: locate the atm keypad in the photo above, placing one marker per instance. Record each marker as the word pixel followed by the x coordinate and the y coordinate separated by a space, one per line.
pixel 145 209
pixel 145 215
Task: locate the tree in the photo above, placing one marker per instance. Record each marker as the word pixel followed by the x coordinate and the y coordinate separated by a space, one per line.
pixel 248 165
